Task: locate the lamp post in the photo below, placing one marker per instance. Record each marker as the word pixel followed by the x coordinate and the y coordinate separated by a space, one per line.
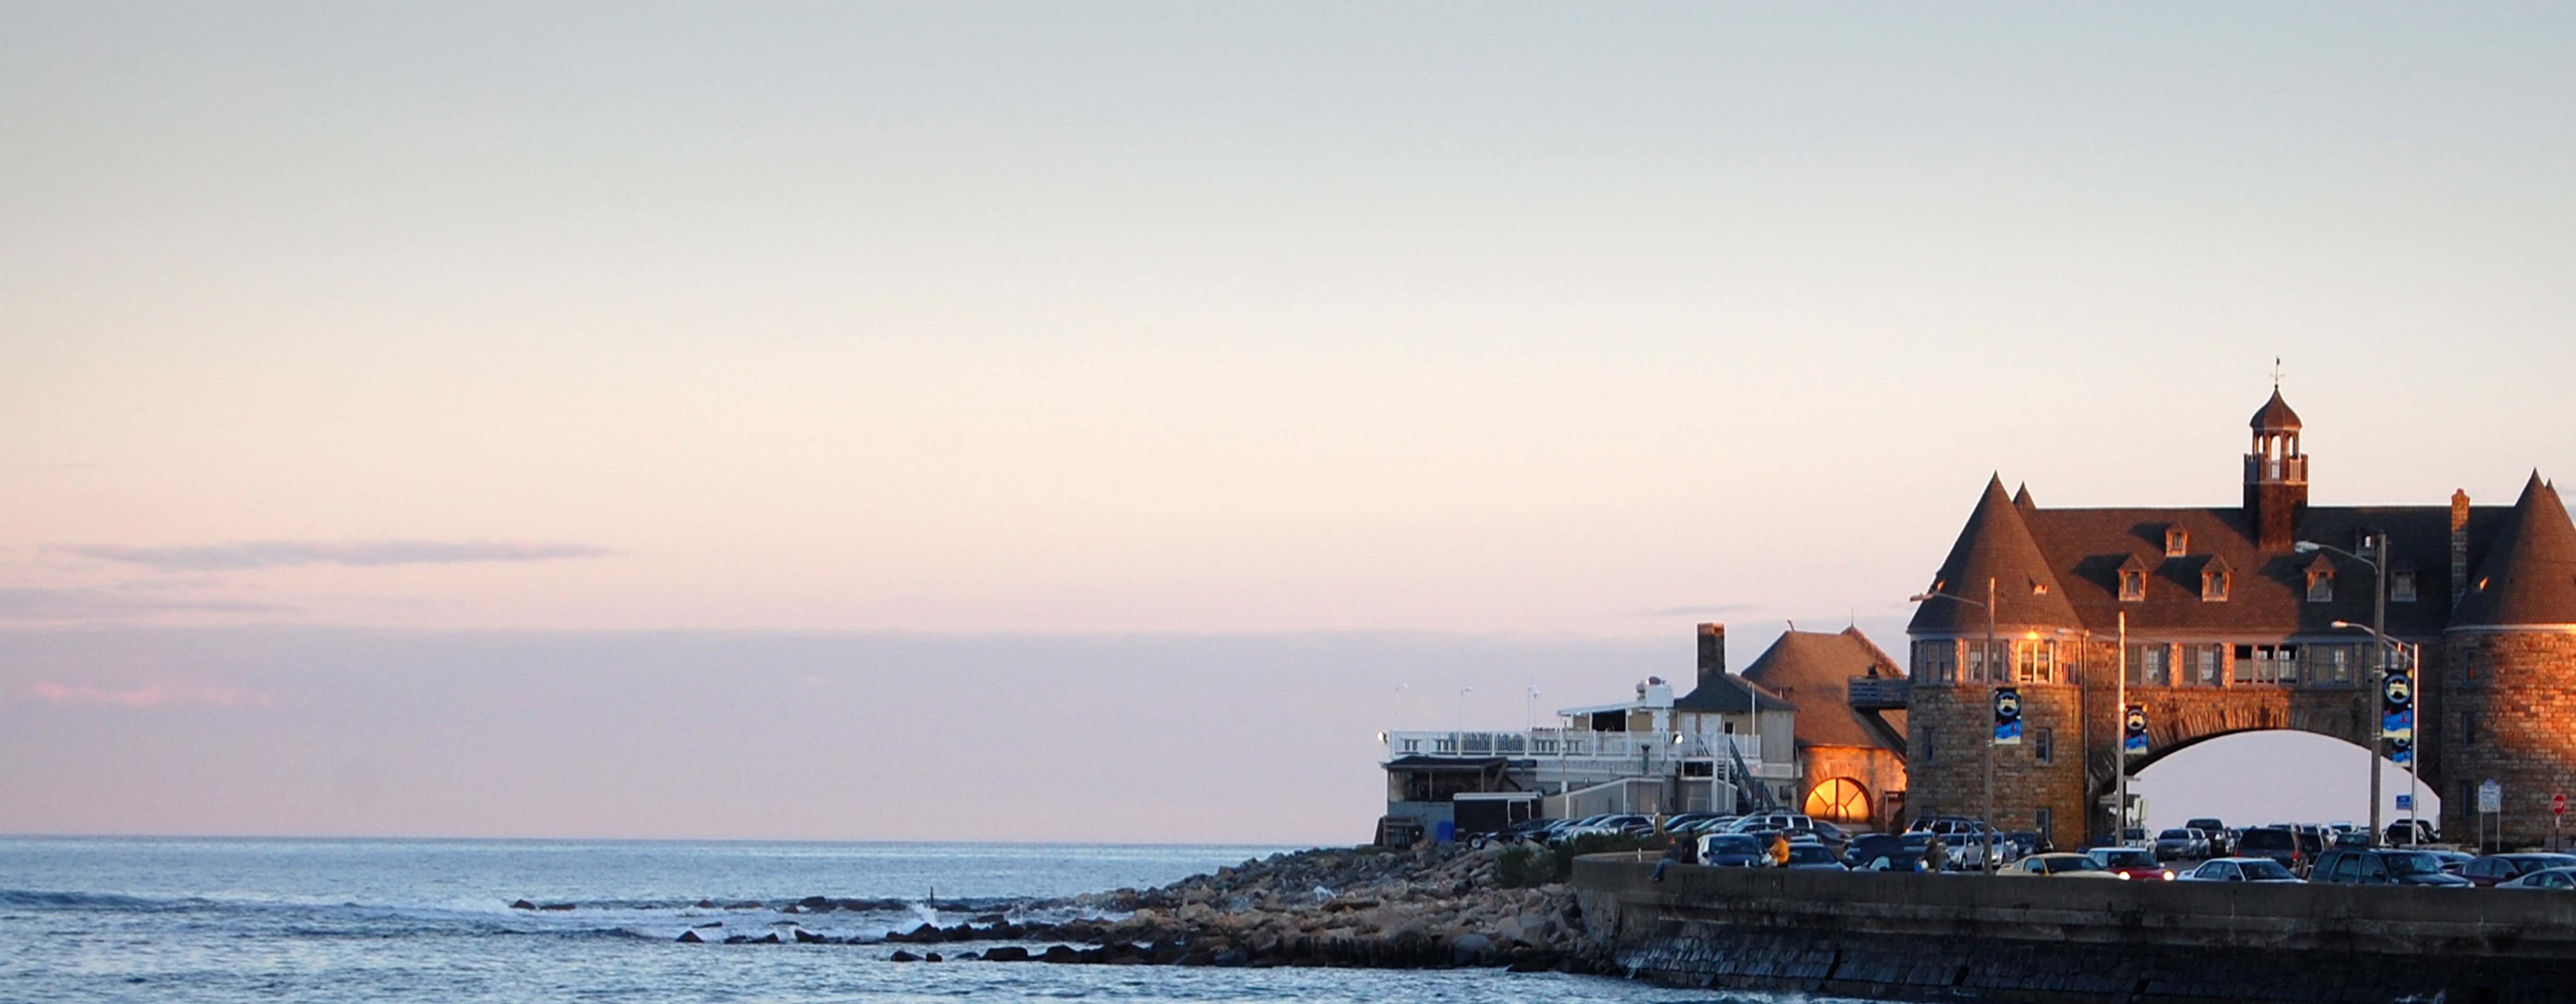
pixel 2378 650
pixel 1985 663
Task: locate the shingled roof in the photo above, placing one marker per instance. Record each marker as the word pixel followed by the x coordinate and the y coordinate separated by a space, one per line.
pixel 2529 575
pixel 1729 693
pixel 1997 544
pixel 2275 415
pixel 1813 670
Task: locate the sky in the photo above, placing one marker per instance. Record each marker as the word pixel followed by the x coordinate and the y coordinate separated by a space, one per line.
pixel 510 403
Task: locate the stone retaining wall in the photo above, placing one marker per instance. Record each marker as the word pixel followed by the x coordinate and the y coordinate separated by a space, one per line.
pixel 2040 940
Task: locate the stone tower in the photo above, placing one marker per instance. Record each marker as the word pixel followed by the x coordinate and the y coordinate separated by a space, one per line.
pixel 2508 697
pixel 2276 477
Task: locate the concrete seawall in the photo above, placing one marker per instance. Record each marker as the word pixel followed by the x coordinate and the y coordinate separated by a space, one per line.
pixel 2040 940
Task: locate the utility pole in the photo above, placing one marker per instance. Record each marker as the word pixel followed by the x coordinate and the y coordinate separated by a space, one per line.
pixel 2120 740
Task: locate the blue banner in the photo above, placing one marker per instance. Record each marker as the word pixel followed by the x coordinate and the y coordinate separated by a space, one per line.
pixel 2133 730
pixel 2397 717
pixel 2007 716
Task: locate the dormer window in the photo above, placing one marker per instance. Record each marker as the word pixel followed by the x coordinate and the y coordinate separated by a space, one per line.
pixel 2133 584
pixel 2321 580
pixel 2401 587
pixel 2177 542
pixel 2214 582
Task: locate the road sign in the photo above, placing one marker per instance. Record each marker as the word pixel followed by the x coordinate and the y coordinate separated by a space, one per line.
pixel 2490 796
pixel 2558 804
pixel 2405 803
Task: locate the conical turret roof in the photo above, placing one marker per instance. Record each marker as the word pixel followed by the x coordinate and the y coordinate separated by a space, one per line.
pixel 1996 544
pixel 2529 574
pixel 2275 416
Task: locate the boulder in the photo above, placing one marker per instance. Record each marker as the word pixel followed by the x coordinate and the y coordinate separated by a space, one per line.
pixel 1472 950
pixel 903 956
pixel 930 957
pixel 1060 954
pixel 521 904
pixel 1007 953
pixel 691 938
pixel 805 937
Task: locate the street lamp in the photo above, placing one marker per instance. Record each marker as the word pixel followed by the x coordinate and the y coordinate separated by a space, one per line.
pixel 2378 650
pixel 1986 662
pixel 2414 758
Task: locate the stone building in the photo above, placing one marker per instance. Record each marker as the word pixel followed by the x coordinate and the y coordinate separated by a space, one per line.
pixel 2230 617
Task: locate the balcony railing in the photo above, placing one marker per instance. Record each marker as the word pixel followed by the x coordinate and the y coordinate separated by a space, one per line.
pixel 1565 744
pixel 1879 693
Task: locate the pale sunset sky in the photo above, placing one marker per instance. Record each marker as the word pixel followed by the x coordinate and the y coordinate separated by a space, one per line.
pixel 1043 421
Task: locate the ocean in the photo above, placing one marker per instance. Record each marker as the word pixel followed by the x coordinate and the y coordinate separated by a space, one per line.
pixel 274 921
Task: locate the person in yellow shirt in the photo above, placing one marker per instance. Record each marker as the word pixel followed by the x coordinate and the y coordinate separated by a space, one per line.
pixel 1780 850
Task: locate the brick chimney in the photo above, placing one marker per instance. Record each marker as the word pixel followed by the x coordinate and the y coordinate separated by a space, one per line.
pixel 2459 544
pixel 1712 652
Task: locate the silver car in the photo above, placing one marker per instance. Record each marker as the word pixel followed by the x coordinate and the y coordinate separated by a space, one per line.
pixel 2238 870
pixel 2561 879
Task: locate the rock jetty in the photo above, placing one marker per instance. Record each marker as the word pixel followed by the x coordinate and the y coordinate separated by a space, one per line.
pixel 1427 907
pixel 1417 908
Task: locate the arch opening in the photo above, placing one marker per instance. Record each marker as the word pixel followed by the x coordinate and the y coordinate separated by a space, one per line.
pixel 2256 777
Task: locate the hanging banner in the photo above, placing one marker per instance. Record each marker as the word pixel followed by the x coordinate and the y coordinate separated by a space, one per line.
pixel 2007 716
pixel 2133 731
pixel 2397 716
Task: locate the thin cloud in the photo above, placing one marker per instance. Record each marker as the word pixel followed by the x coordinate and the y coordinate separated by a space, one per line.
pixel 95 604
pixel 290 553
pixel 1710 610
pixel 148 696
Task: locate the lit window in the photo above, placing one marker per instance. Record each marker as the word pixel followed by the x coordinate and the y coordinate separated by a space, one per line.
pixel 2177 543
pixel 2401 587
pixel 2133 585
pixel 2039 589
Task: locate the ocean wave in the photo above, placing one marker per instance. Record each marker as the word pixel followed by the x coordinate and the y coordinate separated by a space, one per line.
pixel 40 899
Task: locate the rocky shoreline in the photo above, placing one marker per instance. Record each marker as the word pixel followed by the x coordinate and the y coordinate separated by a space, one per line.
pixel 1365 907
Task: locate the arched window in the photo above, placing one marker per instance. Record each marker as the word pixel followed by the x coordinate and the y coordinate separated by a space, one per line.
pixel 1839 799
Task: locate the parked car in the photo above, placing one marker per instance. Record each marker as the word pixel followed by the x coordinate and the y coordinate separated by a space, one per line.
pixel 1731 850
pixel 2497 869
pixel 2411 833
pixel 2275 843
pixel 2238 870
pixel 2059 866
pixel 1887 852
pixel 2026 843
pixel 2220 844
pixel 2364 866
pixel 2183 845
pixel 2131 863
pixel 2546 878
pixel 1812 856
pixel 2453 862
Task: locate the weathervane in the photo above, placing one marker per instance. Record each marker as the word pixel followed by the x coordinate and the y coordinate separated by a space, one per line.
pixel 2276 374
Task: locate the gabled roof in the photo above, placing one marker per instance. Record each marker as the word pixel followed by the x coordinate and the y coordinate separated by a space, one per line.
pixel 1997 544
pixel 1813 669
pixel 1728 693
pixel 2529 575
pixel 2275 415
pixel 2268 591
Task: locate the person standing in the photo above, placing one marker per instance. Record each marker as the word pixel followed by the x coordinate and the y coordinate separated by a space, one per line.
pixel 1780 849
